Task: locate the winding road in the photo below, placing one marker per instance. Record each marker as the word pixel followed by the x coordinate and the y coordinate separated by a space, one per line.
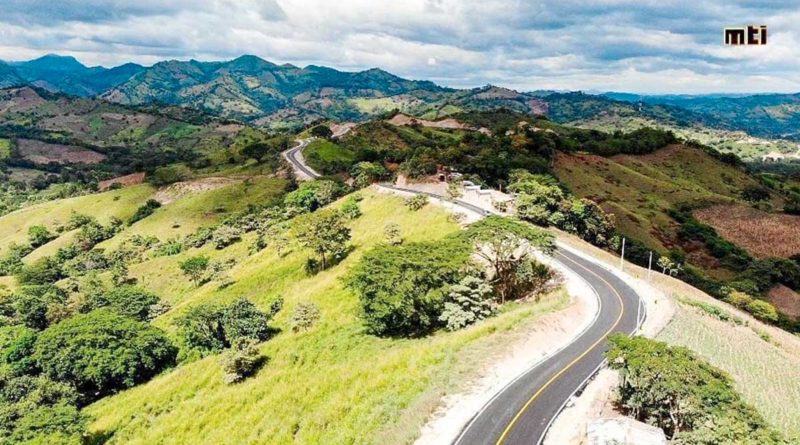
pixel 522 412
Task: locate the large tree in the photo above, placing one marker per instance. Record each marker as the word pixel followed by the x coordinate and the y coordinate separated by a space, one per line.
pixel 507 246
pixel 325 233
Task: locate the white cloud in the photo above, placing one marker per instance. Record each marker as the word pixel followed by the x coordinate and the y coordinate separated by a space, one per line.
pixel 643 46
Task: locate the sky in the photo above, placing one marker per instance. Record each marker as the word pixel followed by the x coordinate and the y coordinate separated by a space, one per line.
pixel 640 46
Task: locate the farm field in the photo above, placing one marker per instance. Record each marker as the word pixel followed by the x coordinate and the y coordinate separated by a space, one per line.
pixel 767 374
pixel 760 233
pixel 332 384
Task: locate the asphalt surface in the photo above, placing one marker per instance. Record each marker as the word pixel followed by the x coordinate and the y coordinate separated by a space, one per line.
pixel 294 155
pixel 522 412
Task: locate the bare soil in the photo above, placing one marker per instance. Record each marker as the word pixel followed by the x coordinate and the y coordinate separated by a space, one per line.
pixel 760 233
pixel 45 153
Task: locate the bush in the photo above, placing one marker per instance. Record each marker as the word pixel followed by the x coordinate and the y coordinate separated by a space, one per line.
pixel 762 310
pixel 11 263
pixel 224 236
pixel 43 271
pixel 78 220
pixel 304 317
pixel 39 236
pixel 242 361
pixel 312 195
pixel 169 174
pixel 321 131
pixel 350 208
pixel 102 352
pixel 169 248
pixel 209 328
pixel 391 233
pixel 200 237
pixel 468 301
pixel 401 288
pixel 144 211
pixel 416 202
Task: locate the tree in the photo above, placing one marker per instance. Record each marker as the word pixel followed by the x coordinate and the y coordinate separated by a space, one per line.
pixel 321 131
pixel 130 301
pixel 416 202
pixel 102 352
pixel 195 268
pixel 209 328
pixel 304 317
pixel 39 235
pixel 507 245
pixel 468 301
pixel 350 208
pixel 454 190
pixel 401 289
pixel 325 234
pixel 42 271
pixel 144 211
pixel 257 150
pixel 365 173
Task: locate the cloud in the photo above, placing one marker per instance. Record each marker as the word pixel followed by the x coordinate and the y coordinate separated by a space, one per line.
pixel 632 45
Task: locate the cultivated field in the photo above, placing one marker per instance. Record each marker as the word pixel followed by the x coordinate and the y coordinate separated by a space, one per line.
pixel 45 153
pixel 760 233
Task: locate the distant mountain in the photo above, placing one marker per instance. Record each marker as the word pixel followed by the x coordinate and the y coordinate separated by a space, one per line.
pixel 763 115
pixel 9 76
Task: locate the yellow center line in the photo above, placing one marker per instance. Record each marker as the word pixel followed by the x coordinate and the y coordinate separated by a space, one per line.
pixel 572 363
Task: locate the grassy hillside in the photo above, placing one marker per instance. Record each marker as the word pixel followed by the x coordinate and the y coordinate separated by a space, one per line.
pixel 327 157
pixel 333 384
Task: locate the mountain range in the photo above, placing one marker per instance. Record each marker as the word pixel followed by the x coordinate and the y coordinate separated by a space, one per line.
pixel 252 89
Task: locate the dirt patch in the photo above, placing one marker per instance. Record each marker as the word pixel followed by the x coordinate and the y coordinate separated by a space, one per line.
pixel 449 123
pixel 340 129
pixel 760 233
pixel 125 181
pixel 44 153
pixel 178 190
pixel 19 99
pixel 786 300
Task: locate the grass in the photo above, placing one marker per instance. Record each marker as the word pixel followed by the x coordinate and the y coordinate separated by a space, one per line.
pixel 767 375
pixel 762 234
pixel 372 105
pixel 120 203
pixel 332 384
pixel 325 156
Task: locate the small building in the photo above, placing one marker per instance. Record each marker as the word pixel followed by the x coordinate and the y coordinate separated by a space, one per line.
pixel 623 431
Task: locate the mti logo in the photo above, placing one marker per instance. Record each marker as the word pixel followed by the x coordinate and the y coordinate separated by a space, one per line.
pixel 751 35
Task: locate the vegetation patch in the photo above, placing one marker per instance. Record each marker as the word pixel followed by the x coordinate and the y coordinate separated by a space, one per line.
pixel 764 235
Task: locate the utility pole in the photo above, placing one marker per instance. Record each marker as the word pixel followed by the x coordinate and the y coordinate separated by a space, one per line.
pixel 622 255
pixel 649 265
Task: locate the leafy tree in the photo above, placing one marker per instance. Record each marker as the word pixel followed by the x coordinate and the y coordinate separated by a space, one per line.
pixel 42 271
pixel 507 245
pixel 692 401
pixel 401 289
pixel 147 209
pixel 241 361
pixel 365 173
pixel 455 190
pixel 130 301
pixel 468 301
pixel 195 268
pixel 321 131
pixel 170 174
pixel 325 234
pixel 257 150
pixel 16 349
pixel 209 328
pixel 312 195
pixel 102 352
pixel 304 317
pixel 39 235
pixel 11 263
pixel 34 305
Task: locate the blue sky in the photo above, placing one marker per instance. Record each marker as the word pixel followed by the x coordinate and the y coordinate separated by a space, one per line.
pixel 646 46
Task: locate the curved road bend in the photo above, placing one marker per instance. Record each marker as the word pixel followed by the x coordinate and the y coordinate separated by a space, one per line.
pixel 522 412
pixel 294 156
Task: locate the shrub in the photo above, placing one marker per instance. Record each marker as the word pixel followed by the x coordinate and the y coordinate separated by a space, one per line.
pixel 102 352
pixel 454 190
pixel 401 288
pixel 78 220
pixel 416 202
pixel 11 262
pixel 350 208
pixel 738 299
pixel 169 174
pixel 468 301
pixel 144 211
pixel 169 248
pixel 200 237
pixel 241 361
pixel 39 236
pixel 304 317
pixel 365 173
pixel 312 195
pixel 209 328
pixel 224 236
pixel 391 233
pixel 321 131
pixel 43 271
pixel 762 310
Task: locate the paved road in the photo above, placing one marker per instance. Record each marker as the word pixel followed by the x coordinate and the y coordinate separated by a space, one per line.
pixel 295 157
pixel 523 411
